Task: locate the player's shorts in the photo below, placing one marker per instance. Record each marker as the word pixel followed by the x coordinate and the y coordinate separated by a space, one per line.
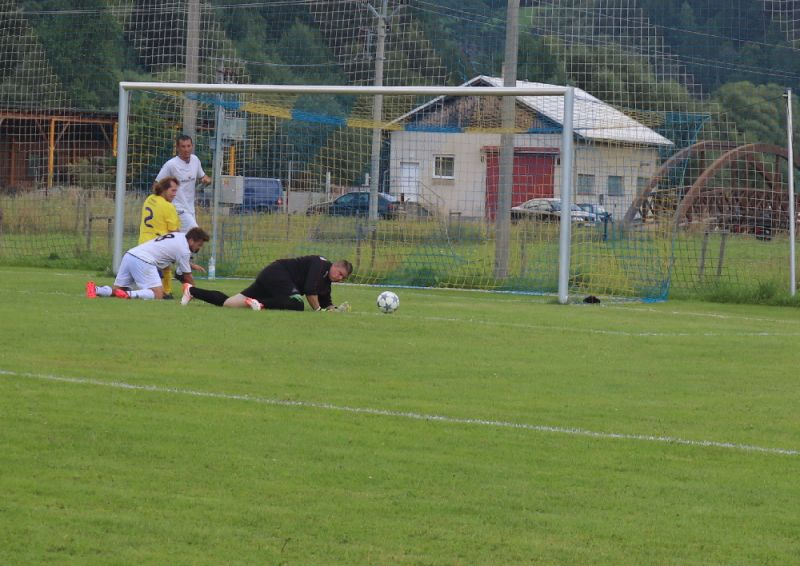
pixel 273 282
pixel 134 270
pixel 188 221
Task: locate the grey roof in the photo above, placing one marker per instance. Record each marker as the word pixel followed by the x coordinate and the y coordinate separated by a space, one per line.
pixel 592 118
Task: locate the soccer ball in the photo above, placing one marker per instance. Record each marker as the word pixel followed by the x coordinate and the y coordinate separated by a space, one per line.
pixel 388 302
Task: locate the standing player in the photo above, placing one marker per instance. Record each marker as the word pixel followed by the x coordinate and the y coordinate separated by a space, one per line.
pixel 281 285
pixel 159 217
pixel 187 169
pixel 140 265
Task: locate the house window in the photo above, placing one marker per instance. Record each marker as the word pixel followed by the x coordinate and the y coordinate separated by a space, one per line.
pixel 616 186
pixel 585 185
pixel 444 167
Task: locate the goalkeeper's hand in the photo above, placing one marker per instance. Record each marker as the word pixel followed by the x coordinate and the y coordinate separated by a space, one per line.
pixel 344 307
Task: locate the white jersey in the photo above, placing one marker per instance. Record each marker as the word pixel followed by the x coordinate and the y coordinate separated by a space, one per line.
pixel 187 174
pixel 163 250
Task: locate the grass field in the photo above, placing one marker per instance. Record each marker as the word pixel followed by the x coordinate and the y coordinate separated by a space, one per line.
pixel 467 428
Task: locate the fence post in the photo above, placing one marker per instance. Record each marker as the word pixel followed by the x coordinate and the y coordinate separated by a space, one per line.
pixel 703 249
pixel 722 241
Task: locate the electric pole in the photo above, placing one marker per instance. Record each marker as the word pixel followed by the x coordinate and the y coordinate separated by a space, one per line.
pixel 192 65
pixel 508 117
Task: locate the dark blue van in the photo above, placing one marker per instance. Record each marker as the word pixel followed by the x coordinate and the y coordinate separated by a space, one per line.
pixel 261 194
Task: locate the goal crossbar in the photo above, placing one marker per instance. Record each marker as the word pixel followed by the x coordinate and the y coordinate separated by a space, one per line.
pixel 345 89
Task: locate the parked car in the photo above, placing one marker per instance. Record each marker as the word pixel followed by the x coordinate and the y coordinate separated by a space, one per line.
pixel 596 212
pixel 259 194
pixel 546 210
pixel 356 203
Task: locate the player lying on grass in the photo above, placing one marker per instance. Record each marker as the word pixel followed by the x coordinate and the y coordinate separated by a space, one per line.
pixel 281 285
pixel 140 265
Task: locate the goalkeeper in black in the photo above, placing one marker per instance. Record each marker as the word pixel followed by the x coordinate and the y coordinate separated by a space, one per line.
pixel 281 285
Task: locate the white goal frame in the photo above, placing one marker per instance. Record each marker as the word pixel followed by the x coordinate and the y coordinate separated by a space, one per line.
pixel 567 141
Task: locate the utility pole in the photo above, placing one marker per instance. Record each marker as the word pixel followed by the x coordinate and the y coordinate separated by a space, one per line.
pixel 192 66
pixel 508 117
pixel 384 20
pixel 377 108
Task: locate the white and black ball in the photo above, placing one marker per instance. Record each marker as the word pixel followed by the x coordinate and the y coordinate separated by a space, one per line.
pixel 388 302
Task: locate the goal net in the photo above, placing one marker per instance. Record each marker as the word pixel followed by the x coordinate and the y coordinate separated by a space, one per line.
pixel 437 185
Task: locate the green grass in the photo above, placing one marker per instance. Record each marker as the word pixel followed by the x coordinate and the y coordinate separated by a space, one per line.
pixel 145 432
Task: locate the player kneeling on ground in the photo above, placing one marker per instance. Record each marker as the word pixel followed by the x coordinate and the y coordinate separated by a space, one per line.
pixel 140 265
pixel 281 285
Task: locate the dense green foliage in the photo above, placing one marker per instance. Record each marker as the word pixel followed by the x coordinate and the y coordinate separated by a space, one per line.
pixel 284 44
pixel 87 53
pixel 759 114
pixel 734 52
pixel 723 42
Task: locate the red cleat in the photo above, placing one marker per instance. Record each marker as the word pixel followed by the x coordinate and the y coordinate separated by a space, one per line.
pixel 121 294
pixel 91 290
pixel 187 295
pixel 253 304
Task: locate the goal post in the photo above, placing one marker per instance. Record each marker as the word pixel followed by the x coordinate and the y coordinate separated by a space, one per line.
pixel 565 150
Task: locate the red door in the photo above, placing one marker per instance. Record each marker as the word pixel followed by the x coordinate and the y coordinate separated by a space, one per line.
pixel 533 176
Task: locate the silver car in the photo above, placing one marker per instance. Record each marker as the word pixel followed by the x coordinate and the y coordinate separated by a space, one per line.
pixel 547 210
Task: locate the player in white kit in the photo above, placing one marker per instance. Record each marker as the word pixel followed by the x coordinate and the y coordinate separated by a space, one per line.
pixel 185 167
pixel 140 266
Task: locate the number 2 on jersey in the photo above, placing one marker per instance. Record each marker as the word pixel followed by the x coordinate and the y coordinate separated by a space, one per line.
pixel 146 220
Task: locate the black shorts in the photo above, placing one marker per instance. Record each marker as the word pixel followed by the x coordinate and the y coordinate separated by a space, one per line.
pixel 274 282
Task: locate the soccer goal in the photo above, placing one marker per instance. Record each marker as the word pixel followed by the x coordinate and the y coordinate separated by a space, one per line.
pixel 478 186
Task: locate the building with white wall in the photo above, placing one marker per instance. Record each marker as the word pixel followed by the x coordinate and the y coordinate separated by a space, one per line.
pixel 446 152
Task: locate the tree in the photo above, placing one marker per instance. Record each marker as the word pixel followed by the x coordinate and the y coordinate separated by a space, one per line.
pixel 90 63
pixel 757 111
pixel 537 62
pixel 26 78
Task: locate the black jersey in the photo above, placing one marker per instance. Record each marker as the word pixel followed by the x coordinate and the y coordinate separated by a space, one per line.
pixel 309 274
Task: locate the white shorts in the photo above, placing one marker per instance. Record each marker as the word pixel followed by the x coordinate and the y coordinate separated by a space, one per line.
pixel 134 270
pixel 188 221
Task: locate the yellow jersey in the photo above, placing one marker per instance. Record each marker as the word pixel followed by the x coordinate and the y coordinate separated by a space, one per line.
pixel 159 217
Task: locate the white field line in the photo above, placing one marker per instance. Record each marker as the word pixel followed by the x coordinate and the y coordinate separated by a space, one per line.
pixel 406 415
pixel 720 316
pixel 584 330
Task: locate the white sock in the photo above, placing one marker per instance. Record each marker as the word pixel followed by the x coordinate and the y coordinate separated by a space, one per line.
pixel 103 291
pixel 146 294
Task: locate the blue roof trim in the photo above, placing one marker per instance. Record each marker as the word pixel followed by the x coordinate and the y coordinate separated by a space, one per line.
pixel 215 101
pixel 548 130
pixel 428 128
pixel 304 116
